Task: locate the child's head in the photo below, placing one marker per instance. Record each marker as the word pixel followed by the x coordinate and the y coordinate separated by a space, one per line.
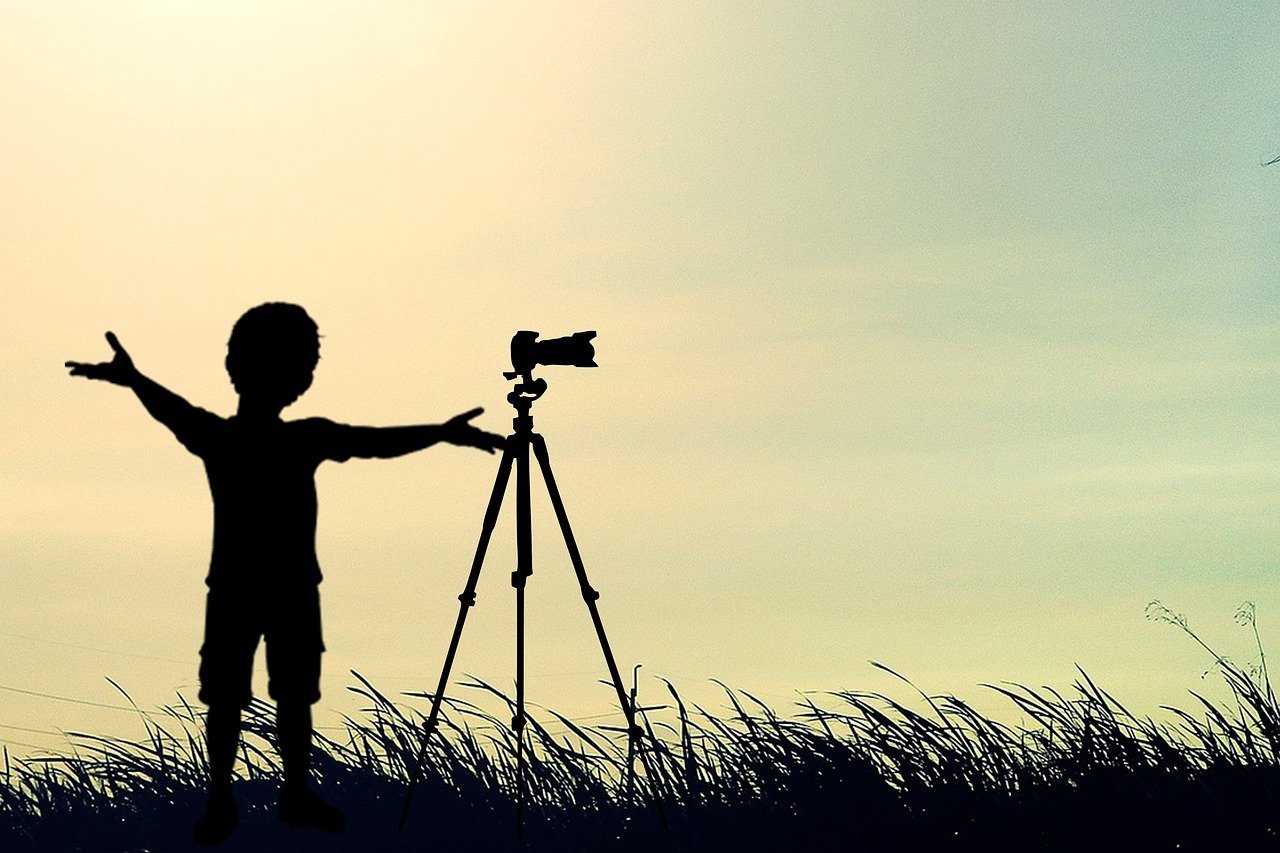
pixel 273 352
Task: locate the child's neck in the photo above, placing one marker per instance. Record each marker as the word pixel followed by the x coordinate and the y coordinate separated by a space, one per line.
pixel 256 410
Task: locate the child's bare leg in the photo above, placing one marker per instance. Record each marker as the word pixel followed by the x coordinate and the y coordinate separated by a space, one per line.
pixel 299 806
pixel 222 730
pixel 222 733
pixel 293 729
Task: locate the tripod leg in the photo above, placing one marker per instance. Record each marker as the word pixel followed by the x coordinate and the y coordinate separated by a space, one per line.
pixel 590 596
pixel 467 599
pixel 524 568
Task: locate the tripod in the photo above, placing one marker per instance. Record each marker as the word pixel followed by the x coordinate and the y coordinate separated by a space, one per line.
pixel 516 452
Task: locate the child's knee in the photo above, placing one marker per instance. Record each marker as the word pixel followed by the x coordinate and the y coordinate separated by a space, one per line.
pixel 295 688
pixel 219 694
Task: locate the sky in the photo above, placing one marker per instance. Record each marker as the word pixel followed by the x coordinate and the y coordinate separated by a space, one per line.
pixel 938 334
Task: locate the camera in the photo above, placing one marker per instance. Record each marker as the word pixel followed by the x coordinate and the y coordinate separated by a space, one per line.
pixel 527 352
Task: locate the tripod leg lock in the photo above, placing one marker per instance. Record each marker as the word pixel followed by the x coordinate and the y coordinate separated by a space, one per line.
pixel 517 723
pixel 589 594
pixel 468 599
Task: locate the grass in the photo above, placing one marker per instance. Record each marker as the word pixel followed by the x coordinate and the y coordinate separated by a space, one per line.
pixel 844 771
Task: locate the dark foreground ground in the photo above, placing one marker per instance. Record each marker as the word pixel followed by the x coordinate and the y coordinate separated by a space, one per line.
pixel 854 771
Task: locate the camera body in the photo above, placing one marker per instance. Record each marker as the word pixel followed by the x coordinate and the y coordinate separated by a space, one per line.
pixel 527 352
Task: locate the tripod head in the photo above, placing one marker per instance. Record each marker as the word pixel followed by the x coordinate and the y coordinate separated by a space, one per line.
pixel 521 397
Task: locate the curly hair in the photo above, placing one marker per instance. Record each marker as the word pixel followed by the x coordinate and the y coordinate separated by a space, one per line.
pixel 273 352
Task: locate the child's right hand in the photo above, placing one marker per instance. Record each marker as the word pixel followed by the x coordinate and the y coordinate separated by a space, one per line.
pixel 458 431
pixel 118 371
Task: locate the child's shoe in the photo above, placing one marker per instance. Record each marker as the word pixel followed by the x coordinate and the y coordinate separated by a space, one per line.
pixel 303 808
pixel 217 822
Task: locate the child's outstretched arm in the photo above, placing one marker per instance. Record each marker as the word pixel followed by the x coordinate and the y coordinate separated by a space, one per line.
pixel 389 442
pixel 186 421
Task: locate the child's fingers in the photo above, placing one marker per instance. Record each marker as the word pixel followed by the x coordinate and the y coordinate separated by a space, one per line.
pixel 114 342
pixel 466 416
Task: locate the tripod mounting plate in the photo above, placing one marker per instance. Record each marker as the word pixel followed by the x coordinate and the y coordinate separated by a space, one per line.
pixel 527 388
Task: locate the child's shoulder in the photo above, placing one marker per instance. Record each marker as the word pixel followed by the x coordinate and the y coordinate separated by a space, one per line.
pixel 313 426
pixel 325 438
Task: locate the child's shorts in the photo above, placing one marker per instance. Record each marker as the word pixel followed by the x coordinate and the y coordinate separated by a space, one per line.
pixel 235 619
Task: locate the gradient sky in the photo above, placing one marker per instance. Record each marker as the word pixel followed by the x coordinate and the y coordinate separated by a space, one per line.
pixel 937 334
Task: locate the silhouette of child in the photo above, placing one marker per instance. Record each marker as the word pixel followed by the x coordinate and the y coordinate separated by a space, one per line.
pixel 263 575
